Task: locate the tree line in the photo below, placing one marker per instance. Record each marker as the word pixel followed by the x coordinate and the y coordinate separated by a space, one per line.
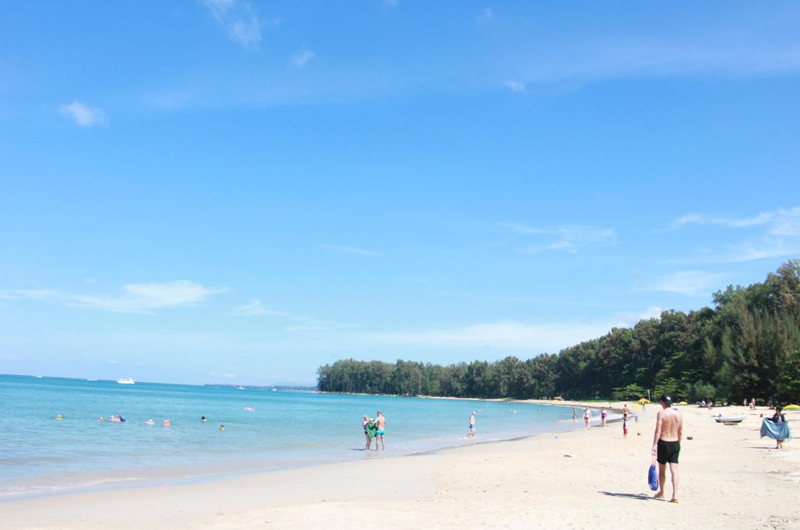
pixel 746 345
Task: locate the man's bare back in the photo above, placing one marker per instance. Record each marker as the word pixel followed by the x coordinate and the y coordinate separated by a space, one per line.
pixel 667 445
pixel 380 422
pixel 671 425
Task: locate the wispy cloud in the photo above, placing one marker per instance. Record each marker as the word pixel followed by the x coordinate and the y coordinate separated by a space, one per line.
pixel 781 222
pixel 136 297
pixel 391 3
pixel 302 58
pixel 236 17
pixel 507 335
pixel 82 114
pixel 487 15
pixel 256 308
pixel 515 86
pixel 779 234
pixel 347 249
pixel 632 317
pixel 299 323
pixel 567 238
pixel 692 283
pixel 615 58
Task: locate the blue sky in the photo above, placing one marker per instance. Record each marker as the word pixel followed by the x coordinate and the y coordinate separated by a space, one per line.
pixel 233 191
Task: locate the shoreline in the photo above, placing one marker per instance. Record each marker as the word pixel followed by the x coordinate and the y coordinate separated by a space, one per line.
pixel 596 476
pixel 182 477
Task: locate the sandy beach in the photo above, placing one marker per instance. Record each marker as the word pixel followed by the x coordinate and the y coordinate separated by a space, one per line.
pixel 582 479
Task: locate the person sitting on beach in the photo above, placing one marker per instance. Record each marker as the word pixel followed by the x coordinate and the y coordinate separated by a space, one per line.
pixel 587 417
pixel 778 417
pixel 380 422
pixel 366 433
pixel 603 414
pixel 667 445
pixel 471 425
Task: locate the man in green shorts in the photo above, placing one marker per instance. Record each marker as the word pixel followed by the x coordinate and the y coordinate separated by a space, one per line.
pixel 380 421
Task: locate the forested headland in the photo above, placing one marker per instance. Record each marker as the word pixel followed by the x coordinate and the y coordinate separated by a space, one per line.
pixel 746 345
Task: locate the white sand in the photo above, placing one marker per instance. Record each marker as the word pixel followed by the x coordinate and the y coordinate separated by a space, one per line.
pixel 730 480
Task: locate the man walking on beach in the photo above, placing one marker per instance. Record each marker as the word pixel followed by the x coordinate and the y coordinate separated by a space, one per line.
pixel 667 445
pixel 380 422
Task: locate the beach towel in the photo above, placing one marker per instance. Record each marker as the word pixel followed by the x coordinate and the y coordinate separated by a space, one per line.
pixel 776 431
pixel 372 429
pixel 652 476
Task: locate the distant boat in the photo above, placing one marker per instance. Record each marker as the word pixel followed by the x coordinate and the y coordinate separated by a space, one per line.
pixel 273 389
pixel 38 377
pixel 126 381
pixel 92 380
pixel 239 388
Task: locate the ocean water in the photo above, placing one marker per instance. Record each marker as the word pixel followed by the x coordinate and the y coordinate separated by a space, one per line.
pixel 286 429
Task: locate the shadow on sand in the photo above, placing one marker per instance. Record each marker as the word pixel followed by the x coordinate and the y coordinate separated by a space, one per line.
pixel 634 496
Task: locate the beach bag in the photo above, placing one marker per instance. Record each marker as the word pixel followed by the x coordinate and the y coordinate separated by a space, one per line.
pixel 652 476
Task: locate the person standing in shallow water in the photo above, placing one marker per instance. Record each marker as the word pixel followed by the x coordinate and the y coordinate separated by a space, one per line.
pixel 667 445
pixel 574 414
pixel 366 433
pixel 380 422
pixel 587 417
pixel 603 414
pixel 471 425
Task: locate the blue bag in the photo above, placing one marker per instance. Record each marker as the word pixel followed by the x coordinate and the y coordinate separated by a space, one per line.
pixel 652 477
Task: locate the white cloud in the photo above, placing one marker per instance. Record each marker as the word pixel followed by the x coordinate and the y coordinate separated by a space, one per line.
pixel 237 19
pixel 256 308
pixel 779 234
pixel 391 3
pixel 501 335
pixel 567 238
pixel 779 222
pixel 630 318
pixel 302 57
pixel 346 249
pixel 515 86
pixel 692 283
pixel 230 376
pixel 300 323
pixel 82 114
pixel 137 297
pixel 487 15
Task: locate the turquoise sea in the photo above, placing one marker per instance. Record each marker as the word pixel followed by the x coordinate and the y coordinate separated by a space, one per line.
pixel 285 429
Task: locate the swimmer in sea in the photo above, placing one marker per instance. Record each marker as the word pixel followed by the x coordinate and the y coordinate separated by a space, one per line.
pixel 221 428
pixel 203 419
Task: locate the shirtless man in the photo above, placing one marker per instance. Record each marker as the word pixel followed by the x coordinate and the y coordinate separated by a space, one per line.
pixel 380 421
pixel 587 417
pixel 667 445
pixel 471 425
